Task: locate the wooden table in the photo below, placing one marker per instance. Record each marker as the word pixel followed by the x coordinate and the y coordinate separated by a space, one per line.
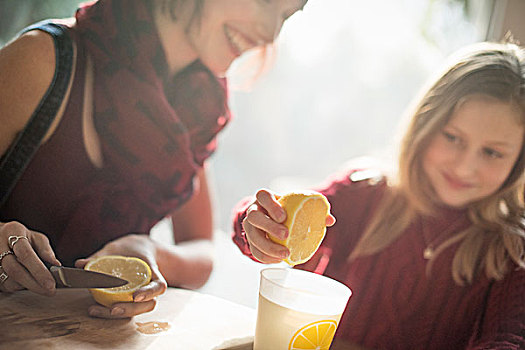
pixel 197 321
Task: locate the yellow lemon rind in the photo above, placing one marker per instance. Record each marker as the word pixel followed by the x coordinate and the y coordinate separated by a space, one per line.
pixel 293 203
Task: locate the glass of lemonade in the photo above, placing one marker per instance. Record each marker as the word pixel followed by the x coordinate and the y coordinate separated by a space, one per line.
pixel 298 310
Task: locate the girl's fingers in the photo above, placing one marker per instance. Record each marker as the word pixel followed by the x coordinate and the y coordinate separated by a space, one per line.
pixel 263 222
pixel 330 220
pixel 258 240
pixel 122 310
pixel 263 219
pixel 260 256
pixel 269 202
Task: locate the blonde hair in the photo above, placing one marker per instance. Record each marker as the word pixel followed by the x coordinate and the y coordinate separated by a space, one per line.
pixel 497 234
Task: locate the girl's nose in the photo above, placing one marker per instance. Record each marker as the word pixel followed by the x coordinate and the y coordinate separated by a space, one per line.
pixel 466 164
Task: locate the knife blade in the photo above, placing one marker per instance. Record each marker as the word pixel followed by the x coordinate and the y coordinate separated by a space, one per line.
pixel 69 277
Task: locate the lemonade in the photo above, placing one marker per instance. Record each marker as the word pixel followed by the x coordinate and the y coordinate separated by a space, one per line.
pixel 285 336
pixel 298 310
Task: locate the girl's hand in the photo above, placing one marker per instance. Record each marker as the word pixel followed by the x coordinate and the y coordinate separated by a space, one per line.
pixel 264 218
pixel 21 265
pixel 134 245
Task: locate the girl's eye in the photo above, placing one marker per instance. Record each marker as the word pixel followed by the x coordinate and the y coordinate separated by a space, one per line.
pixel 451 137
pixel 491 153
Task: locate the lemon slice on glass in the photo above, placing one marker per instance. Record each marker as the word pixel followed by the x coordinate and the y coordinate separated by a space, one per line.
pixel 314 336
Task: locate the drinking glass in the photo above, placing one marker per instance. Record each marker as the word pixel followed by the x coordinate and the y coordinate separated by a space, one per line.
pixel 298 310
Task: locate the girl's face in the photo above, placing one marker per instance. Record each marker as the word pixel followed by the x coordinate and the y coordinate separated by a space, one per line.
pixel 228 28
pixel 472 156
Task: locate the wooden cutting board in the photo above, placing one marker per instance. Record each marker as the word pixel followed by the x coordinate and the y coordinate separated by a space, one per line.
pixel 196 321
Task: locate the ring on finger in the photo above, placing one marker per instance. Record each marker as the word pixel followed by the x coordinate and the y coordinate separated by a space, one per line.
pixel 3 275
pixel 4 254
pixel 13 239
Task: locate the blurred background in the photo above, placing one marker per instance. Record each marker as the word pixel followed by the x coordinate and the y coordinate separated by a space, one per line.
pixel 343 74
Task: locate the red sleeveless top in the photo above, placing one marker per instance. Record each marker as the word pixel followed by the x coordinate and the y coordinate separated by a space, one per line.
pixel 43 196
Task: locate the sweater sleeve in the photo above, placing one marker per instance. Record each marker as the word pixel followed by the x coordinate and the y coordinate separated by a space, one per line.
pixel 502 326
pixel 347 191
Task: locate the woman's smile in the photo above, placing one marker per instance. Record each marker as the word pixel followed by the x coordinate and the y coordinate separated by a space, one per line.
pixel 239 43
pixel 226 29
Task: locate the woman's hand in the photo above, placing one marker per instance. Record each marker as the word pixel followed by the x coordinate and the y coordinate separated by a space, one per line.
pixel 264 218
pixel 140 246
pixel 21 265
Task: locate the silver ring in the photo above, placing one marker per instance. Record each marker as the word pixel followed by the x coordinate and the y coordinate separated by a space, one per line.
pixel 4 254
pixel 3 275
pixel 13 239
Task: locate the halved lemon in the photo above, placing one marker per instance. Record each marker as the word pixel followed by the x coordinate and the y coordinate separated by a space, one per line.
pixel 314 336
pixel 136 271
pixel 306 222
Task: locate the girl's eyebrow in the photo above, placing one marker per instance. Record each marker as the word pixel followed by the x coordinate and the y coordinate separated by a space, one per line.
pixel 502 144
pixel 495 143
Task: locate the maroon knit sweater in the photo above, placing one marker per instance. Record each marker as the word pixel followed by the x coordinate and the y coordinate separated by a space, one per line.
pixel 395 305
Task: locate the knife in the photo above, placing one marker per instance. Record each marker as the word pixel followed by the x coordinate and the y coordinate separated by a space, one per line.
pixel 69 277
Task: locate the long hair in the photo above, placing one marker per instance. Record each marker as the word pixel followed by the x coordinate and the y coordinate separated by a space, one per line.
pixel 497 234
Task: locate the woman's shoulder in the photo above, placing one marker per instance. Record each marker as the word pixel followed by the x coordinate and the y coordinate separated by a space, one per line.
pixel 28 66
pixel 29 60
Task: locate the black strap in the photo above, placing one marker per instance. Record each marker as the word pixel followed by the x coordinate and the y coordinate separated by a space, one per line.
pixel 18 156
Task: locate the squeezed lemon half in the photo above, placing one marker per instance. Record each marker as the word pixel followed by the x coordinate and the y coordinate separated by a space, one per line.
pixel 306 214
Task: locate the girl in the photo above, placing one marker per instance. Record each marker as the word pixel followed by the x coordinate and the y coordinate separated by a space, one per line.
pixel 133 127
pixel 435 255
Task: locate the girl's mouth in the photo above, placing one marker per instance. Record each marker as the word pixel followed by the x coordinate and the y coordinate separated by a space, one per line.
pixel 456 183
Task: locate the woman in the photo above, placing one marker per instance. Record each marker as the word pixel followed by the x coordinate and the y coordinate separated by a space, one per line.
pixel 435 256
pixel 129 143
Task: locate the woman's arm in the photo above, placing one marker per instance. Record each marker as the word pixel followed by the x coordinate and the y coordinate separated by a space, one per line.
pixel 27 67
pixel 189 262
